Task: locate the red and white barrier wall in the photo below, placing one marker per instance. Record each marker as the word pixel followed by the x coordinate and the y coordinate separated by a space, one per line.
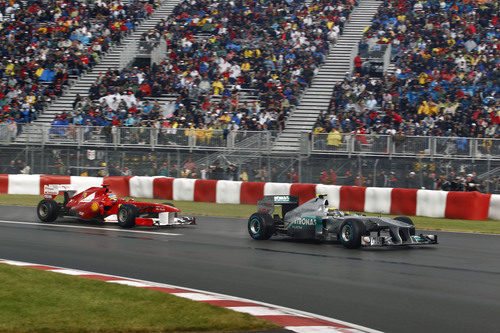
pixel 457 205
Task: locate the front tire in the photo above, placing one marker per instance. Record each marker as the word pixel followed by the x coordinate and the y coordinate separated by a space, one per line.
pixel 47 210
pixel 126 215
pixel 261 226
pixel 351 232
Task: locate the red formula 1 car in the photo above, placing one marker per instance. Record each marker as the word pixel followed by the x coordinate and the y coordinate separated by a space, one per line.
pixel 99 203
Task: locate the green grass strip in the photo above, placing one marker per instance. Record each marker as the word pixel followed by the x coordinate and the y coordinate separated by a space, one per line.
pixel 38 301
pixel 244 211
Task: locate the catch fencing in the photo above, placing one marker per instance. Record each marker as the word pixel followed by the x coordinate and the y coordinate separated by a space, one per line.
pixel 406 146
pixel 345 159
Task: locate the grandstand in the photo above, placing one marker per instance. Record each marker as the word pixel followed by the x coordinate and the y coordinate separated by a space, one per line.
pixel 444 78
pixel 338 63
pixel 243 82
pixel 116 56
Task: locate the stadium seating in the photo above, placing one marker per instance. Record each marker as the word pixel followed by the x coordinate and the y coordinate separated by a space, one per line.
pixel 445 81
pixel 230 65
pixel 46 43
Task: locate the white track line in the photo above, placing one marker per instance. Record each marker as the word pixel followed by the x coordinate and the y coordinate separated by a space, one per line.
pixel 258 308
pixel 462 232
pixel 40 224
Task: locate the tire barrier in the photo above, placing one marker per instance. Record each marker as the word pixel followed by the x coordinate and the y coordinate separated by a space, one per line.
pixel 163 188
pixel 352 198
pixel 119 185
pixel 205 190
pixel 494 207
pixel 378 199
pixel 82 183
pixel 477 205
pixel 305 192
pixel 431 203
pixel 228 192
pixel 24 184
pixel 332 193
pixel 277 189
pixel 456 205
pixel 141 187
pixel 251 192
pixel 404 201
pixel 183 189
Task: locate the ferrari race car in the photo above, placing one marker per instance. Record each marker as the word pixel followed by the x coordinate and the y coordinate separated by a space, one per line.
pixel 99 203
pixel 315 219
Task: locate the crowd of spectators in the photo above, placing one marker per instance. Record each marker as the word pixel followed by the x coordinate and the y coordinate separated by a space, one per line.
pixel 430 180
pixel 446 81
pixel 280 172
pixel 44 43
pixel 218 51
pixel 17 167
pixel 418 175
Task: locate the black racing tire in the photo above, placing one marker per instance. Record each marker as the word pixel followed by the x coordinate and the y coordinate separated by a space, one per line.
pixel 126 215
pixel 47 210
pixel 351 232
pixel 407 220
pixel 261 226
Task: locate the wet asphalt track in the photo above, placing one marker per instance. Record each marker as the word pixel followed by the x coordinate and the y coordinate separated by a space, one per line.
pixel 451 287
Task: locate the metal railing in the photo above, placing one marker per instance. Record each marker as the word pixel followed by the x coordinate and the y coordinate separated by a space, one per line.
pixel 150 137
pixel 6 134
pixel 128 54
pixel 410 146
pixel 261 141
pixel 159 52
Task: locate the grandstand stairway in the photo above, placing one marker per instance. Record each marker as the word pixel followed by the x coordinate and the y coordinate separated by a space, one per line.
pixel 110 60
pixel 317 96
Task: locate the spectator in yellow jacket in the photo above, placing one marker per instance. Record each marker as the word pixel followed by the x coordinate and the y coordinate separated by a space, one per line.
pixel 218 87
pixel 428 108
pixel 334 139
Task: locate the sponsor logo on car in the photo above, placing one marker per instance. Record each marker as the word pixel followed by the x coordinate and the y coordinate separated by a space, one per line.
pixel 282 198
pixel 88 198
pixel 307 221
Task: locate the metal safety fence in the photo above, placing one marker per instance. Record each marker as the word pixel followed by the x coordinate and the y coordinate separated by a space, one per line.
pixel 342 159
pixel 258 141
pixel 138 137
pixel 245 165
pixel 409 146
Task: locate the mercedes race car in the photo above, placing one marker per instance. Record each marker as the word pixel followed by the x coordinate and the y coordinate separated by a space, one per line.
pixel 315 219
pixel 99 203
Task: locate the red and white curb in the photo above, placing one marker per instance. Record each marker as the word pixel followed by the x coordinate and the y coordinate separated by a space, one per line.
pixel 290 319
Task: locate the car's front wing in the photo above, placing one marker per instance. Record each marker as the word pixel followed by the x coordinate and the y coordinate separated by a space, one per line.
pixel 163 219
pixel 369 241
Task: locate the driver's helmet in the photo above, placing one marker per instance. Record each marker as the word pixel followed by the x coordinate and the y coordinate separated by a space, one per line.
pixel 112 196
pixel 333 211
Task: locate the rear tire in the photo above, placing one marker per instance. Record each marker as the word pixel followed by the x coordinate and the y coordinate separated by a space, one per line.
pixel 47 210
pixel 351 232
pixel 407 220
pixel 261 226
pixel 126 215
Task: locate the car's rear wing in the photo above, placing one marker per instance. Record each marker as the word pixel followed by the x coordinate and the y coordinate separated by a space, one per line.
pixel 287 202
pixel 52 190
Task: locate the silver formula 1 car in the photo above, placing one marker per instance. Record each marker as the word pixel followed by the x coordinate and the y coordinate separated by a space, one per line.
pixel 315 219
